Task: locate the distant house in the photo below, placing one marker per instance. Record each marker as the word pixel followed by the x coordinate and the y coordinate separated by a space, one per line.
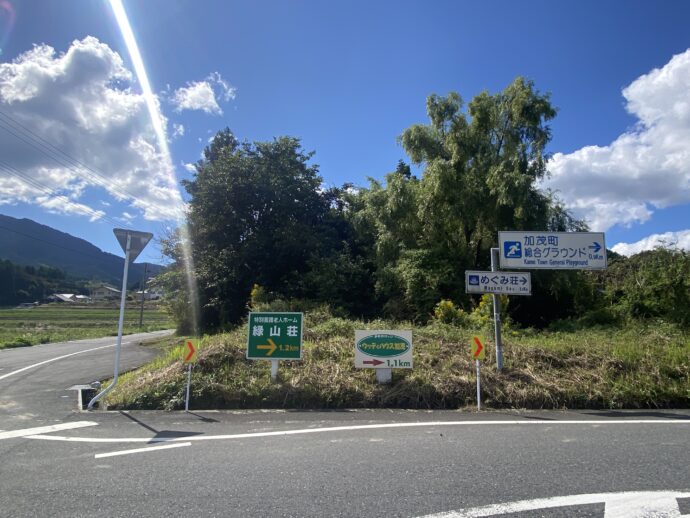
pixel 104 292
pixel 62 297
pixel 27 305
pixel 82 298
pixel 152 294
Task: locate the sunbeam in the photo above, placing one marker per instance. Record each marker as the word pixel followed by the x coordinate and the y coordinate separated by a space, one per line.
pixel 153 107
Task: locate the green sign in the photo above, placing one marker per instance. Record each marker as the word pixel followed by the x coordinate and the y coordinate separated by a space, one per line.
pixel 383 345
pixel 274 336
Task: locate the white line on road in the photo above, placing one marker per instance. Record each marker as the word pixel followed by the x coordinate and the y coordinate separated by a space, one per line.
pixel 141 450
pixel 124 342
pixel 52 360
pixel 659 504
pixel 358 427
pixel 45 429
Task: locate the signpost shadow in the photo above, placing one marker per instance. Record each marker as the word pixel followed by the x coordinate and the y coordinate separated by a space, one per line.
pixel 160 434
pixel 659 414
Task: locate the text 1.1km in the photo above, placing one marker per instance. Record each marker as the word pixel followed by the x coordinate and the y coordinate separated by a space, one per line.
pixel 394 362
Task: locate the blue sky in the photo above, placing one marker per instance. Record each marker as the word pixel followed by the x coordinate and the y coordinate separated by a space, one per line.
pixel 347 78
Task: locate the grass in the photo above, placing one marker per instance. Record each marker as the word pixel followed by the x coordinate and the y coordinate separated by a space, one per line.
pixel 58 323
pixel 635 367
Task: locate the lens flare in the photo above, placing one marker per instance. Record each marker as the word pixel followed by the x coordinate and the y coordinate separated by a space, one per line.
pixel 153 107
pixel 7 19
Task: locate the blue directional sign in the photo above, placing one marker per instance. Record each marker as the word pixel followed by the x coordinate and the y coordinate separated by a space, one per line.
pixel 553 250
pixel 503 283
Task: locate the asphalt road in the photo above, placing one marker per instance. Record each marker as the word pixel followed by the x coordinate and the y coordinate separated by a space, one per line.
pixel 39 393
pixel 359 463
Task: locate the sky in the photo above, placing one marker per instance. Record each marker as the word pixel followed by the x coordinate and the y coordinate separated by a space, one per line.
pixel 93 138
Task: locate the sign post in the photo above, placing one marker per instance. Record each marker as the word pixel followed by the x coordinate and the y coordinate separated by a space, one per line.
pixel 132 243
pixel 478 354
pixel 497 319
pixel 189 359
pixel 274 336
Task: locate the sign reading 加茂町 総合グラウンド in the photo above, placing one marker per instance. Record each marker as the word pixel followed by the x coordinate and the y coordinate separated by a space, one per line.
pixel 552 250
pixel 383 349
pixel 274 336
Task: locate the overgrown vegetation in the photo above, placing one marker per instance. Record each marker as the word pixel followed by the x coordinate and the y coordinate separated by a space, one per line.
pixel 260 216
pixel 642 366
pixel 58 323
pixel 265 234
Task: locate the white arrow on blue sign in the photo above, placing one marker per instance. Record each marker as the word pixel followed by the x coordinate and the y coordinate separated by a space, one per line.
pixel 502 283
pixel 553 250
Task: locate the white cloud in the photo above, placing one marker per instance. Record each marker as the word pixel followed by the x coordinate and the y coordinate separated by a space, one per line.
pixel 63 205
pixel 680 239
pixel 225 91
pixel 204 95
pixel 196 96
pixel 178 130
pixel 645 168
pixel 97 129
pixel 190 167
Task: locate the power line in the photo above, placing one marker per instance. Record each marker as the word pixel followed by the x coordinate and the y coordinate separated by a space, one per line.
pixel 37 142
pixel 51 192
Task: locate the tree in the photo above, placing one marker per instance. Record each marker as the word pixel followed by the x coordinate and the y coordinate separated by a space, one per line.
pixel 481 173
pixel 179 298
pixel 257 216
pixel 651 284
pixel 481 167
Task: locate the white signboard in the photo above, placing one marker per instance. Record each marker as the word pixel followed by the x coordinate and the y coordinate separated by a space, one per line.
pixel 553 250
pixel 383 349
pixel 504 283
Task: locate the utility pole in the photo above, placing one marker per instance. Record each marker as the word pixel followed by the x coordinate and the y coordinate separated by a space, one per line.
pixel 143 294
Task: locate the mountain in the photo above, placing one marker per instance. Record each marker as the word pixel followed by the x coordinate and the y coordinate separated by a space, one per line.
pixel 26 242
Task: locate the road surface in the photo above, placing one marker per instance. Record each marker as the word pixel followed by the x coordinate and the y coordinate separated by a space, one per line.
pixel 34 380
pixel 56 461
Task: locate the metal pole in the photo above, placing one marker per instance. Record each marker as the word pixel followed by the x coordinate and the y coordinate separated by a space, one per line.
pixel 384 376
pixel 274 370
pixel 479 387
pixel 120 323
pixel 497 313
pixel 189 382
pixel 143 292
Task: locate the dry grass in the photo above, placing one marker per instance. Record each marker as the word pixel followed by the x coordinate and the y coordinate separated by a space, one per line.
pixel 638 367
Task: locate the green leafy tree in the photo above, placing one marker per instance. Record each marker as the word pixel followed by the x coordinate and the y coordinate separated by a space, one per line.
pixel 178 296
pixel 258 215
pixel 651 284
pixel 481 167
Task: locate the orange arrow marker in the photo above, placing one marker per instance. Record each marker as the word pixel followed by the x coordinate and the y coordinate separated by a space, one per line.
pixel 477 349
pixel 192 352
pixel 270 347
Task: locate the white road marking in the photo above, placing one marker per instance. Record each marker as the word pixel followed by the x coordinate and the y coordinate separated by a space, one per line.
pixel 52 360
pixel 642 504
pixel 142 450
pixel 356 427
pixel 26 432
pixel 124 342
